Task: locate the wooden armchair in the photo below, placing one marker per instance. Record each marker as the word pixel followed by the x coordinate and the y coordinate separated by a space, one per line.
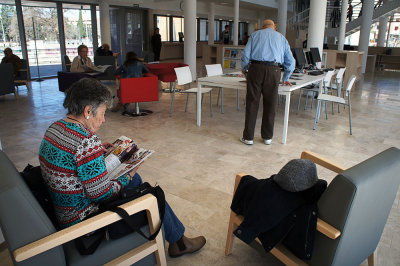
pixel 22 77
pixel 346 234
pixel 32 239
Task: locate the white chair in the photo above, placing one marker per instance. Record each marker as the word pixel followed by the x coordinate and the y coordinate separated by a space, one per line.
pixel 338 81
pixel 315 90
pixel 335 99
pixel 184 76
pixel 216 70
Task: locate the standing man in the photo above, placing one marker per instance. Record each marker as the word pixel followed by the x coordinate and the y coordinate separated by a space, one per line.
pixel 266 50
pixel 10 57
pixel 225 35
pixel 156 44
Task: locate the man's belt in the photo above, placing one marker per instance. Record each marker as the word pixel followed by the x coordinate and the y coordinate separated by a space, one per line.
pixel 269 63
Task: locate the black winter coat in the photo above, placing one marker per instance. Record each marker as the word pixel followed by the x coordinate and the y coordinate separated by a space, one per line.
pixel 273 214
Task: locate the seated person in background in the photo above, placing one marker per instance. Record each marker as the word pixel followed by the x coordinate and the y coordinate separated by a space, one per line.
pixel 9 57
pixel 72 162
pixel 82 62
pixel 104 50
pixel 132 68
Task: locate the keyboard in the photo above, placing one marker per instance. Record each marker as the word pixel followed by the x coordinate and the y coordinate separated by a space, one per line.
pixel 315 72
pixel 328 69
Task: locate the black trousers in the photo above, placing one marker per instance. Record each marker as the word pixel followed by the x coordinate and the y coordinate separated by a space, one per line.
pixel 261 79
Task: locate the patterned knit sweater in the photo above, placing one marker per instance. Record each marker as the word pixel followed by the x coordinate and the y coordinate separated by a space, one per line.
pixel 72 162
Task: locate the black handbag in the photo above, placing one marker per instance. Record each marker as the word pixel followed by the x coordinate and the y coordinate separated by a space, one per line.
pixel 88 244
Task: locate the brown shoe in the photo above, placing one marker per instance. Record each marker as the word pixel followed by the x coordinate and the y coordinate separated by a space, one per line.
pixel 186 245
pixel 117 107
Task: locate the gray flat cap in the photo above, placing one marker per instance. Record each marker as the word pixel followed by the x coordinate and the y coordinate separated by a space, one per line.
pixel 297 175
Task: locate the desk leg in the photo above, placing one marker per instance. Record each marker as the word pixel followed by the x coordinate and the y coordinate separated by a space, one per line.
pixel 286 117
pixel 199 104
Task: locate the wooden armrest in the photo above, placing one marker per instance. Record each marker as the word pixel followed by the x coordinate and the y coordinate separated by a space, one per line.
pixel 322 161
pixel 23 69
pixel 147 202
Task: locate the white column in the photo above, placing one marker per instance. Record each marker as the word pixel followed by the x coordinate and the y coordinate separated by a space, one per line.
pixel 236 22
pixel 282 16
pixel 211 18
pixel 316 25
pixel 105 26
pixel 190 35
pixel 366 21
pixel 383 21
pixel 342 29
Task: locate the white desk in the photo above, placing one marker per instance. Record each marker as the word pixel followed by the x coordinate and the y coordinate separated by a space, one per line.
pixel 240 83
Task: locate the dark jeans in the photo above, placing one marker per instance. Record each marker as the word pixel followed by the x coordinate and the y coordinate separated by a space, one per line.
pixel 173 227
pixel 261 79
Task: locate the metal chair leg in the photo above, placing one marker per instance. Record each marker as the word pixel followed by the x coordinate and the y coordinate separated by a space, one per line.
pixel 238 99
pixel 172 103
pixel 326 109
pixel 351 129
pixel 211 109
pixel 298 104
pixel 305 105
pixel 317 114
pixel 222 100
pixel 219 92
pixel 187 100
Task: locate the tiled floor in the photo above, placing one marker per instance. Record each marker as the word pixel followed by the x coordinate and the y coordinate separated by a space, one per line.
pixel 196 166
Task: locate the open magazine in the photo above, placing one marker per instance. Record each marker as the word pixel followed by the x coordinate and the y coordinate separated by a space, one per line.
pixel 97 69
pixel 124 156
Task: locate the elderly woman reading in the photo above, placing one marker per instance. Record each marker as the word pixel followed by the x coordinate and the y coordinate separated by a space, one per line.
pixel 72 161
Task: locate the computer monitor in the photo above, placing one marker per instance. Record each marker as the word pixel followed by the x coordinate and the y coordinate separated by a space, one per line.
pixel 315 55
pixel 298 55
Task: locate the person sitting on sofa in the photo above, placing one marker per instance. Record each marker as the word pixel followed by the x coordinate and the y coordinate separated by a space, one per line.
pixel 10 57
pixel 133 67
pixel 71 158
pixel 82 62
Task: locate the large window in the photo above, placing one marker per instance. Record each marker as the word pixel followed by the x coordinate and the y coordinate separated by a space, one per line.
pixel 203 29
pixel 162 23
pixel 78 29
pixel 9 35
pixel 41 31
pixel 177 26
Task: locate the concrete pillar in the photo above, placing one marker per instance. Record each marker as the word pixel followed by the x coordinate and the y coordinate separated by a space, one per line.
pixel 316 25
pixel 383 21
pixel 94 27
pixel 366 22
pixel 236 22
pixel 105 26
pixel 190 35
pixel 342 29
pixel 282 16
pixel 211 18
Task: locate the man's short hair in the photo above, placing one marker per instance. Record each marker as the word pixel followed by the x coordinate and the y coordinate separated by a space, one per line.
pixel 80 47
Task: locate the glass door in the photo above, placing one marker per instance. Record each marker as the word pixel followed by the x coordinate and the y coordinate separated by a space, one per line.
pixel 41 29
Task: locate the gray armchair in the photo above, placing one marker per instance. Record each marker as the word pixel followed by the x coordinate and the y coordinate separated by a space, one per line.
pixel 7 79
pixel 32 239
pixel 352 211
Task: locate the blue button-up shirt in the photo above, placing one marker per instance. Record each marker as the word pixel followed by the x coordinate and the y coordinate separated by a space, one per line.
pixel 269 45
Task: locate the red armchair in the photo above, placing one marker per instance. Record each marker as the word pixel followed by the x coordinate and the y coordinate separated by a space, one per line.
pixel 135 90
pixel 165 72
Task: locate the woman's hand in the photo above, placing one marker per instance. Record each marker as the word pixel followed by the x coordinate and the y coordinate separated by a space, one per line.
pixel 107 146
pixel 132 172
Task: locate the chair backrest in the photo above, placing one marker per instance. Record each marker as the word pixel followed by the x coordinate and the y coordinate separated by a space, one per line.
pixel 66 79
pixel 22 219
pixel 67 63
pixel 7 79
pixel 183 75
pixel 214 70
pixel 134 90
pixel 350 83
pixel 328 78
pixel 339 75
pixel 357 202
